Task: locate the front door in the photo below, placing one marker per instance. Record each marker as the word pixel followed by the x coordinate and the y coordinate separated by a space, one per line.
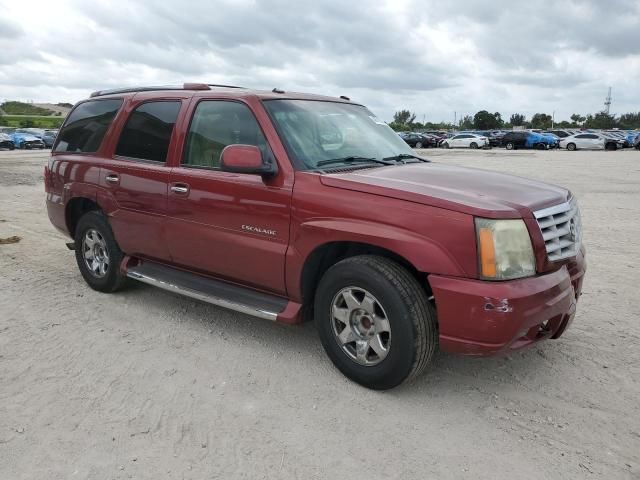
pixel 229 225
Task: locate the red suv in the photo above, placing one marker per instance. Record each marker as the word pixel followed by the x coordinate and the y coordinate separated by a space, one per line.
pixel 290 207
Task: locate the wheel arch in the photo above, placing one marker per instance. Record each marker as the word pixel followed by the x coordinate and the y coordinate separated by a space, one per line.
pixel 324 256
pixel 75 208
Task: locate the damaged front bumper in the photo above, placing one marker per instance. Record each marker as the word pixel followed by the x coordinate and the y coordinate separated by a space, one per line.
pixel 478 317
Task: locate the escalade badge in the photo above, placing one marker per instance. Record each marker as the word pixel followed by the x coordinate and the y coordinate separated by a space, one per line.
pixel 264 231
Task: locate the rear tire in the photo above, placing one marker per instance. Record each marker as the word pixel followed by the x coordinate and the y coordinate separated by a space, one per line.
pixel 400 329
pixel 571 147
pixel 97 253
pixel 419 145
pixel 510 146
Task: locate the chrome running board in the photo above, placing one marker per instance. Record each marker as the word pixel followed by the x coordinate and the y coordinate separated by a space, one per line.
pixel 216 292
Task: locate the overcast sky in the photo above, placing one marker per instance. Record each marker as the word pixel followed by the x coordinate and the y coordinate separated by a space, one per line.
pixel 431 57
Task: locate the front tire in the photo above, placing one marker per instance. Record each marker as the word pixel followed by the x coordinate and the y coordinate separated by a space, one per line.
pixel 473 145
pixel 419 145
pixel 446 145
pixel 375 321
pixel 510 146
pixel 97 253
pixel 571 147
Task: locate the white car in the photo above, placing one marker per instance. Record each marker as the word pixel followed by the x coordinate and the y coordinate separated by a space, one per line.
pixel 588 141
pixel 466 140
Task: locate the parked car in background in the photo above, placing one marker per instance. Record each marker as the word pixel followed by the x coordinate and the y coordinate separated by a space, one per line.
pixel 6 142
pixel 619 135
pixel 562 133
pixel 524 139
pixel 433 140
pixel 418 140
pixel 614 142
pixel 494 136
pixel 49 137
pixel 631 137
pixel 636 143
pixel 588 141
pixel 551 140
pixel 26 140
pixel 466 140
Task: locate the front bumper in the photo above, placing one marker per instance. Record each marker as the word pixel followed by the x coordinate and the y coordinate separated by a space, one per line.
pixel 478 317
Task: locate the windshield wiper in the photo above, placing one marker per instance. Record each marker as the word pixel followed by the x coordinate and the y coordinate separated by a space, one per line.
pixel 352 159
pixel 404 156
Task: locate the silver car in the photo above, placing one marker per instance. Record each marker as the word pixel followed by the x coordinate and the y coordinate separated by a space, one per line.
pixel 588 141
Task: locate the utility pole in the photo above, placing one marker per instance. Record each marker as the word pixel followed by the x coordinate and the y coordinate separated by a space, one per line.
pixel 553 119
pixel 607 102
pixel 455 118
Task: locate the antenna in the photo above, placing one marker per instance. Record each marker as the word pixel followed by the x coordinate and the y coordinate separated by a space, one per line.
pixel 607 102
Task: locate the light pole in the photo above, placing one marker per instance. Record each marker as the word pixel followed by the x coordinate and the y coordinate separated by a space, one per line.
pixel 553 118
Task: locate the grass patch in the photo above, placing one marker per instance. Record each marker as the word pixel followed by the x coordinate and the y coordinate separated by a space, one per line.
pixel 20 108
pixel 30 121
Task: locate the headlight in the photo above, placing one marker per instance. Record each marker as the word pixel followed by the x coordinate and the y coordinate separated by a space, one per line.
pixel 504 249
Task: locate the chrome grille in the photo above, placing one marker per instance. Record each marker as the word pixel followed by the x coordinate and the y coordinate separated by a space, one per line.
pixel 561 229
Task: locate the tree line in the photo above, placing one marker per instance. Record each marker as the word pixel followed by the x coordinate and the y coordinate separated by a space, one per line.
pixel 484 120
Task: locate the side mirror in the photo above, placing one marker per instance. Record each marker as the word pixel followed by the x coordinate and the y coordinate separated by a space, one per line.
pixel 246 159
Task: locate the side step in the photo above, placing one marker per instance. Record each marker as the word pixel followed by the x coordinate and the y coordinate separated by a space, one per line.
pixel 219 293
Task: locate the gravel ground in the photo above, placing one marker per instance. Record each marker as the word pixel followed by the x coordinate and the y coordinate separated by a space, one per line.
pixel 145 384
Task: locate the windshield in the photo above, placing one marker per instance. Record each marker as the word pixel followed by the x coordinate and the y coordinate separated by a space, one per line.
pixel 316 133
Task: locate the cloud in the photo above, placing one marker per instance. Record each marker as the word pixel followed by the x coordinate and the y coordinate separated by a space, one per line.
pixel 431 57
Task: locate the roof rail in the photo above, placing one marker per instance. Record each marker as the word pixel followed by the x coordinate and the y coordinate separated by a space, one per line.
pixel 223 86
pixel 186 86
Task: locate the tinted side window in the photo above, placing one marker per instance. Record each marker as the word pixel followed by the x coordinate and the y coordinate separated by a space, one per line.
pixel 86 126
pixel 148 131
pixel 215 125
pixel 582 136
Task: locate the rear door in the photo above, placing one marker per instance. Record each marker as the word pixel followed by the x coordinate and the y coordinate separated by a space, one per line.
pixel 230 225
pixel 136 177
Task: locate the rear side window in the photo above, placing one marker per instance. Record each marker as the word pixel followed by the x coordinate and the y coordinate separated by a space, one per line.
pixel 85 128
pixel 147 134
pixel 215 125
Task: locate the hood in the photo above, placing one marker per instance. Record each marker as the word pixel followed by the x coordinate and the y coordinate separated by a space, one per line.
pixel 468 190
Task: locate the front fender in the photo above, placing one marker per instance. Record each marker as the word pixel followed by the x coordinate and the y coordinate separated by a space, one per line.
pixel 426 253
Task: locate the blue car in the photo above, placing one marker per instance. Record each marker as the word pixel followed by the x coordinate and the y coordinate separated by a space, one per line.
pixel 631 137
pixel 26 140
pixel 541 140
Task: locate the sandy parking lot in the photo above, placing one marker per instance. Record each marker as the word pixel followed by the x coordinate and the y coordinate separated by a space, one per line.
pixel 144 384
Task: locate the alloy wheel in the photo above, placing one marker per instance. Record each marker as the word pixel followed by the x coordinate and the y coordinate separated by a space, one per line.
pixel 95 253
pixel 360 326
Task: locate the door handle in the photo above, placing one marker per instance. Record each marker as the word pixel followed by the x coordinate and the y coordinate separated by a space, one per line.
pixel 112 178
pixel 180 188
